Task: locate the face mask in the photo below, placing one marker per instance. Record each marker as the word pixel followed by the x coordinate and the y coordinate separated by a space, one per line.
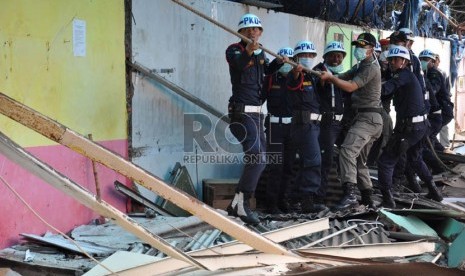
pixel 257 52
pixel 285 69
pixel 336 69
pixel 307 62
pixel 424 65
pixel 360 53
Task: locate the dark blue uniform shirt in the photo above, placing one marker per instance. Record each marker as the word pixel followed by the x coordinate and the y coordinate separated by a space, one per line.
pixel 247 73
pixel 326 95
pixel 277 95
pixel 408 96
pixel 303 94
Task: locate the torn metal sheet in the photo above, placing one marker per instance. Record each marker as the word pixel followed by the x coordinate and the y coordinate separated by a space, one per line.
pixel 398 249
pixel 410 223
pixel 450 228
pixel 294 231
pixel 456 254
pixel 59 241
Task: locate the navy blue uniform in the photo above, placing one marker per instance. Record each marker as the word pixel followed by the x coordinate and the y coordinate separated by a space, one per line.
pixel 278 138
pixel 247 73
pixel 332 100
pixel 439 86
pixel 410 130
pixel 305 130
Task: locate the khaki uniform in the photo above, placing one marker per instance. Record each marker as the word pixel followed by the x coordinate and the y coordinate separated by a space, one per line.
pixel 367 123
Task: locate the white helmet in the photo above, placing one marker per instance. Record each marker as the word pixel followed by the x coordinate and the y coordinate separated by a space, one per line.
pixel 334 46
pixel 304 46
pixel 249 20
pixel 407 32
pixel 427 54
pixel 286 51
pixel 399 51
pixel 378 47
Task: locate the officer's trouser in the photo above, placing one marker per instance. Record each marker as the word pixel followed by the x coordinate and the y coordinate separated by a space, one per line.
pixel 330 129
pixel 249 131
pixel 305 141
pixel 354 151
pixel 413 139
pixel 281 158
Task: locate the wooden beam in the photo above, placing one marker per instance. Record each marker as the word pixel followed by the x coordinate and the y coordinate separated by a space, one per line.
pixel 22 158
pixel 60 134
pixel 380 250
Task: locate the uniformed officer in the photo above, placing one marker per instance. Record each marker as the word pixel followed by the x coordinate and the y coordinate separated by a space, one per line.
pixel 332 100
pixel 439 103
pixel 442 85
pixel 278 137
pixel 410 129
pixel 444 133
pixel 305 127
pixel 247 67
pixel 404 37
pixel 364 82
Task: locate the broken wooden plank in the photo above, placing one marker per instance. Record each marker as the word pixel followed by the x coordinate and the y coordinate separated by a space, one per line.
pixel 60 134
pixel 382 250
pixel 22 158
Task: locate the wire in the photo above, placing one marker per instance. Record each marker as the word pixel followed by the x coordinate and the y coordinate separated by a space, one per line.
pixel 52 227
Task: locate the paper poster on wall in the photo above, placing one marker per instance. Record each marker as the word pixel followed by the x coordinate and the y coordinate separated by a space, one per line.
pixel 79 38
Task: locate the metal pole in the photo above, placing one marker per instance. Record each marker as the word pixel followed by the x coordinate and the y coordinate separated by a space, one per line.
pixel 226 28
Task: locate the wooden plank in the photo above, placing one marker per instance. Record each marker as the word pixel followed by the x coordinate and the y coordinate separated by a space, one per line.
pixel 60 134
pixel 382 250
pixel 18 155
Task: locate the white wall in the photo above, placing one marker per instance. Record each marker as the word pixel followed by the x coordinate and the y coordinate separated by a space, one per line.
pixel 165 35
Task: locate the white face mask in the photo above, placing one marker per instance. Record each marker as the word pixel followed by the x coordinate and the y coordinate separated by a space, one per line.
pixel 307 62
pixel 424 65
pixel 360 53
pixel 285 69
pixel 335 69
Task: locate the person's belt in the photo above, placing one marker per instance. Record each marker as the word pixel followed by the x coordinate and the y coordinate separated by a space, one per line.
pixel 315 117
pixel 437 112
pixel 368 109
pixel 419 118
pixel 337 117
pixel 282 120
pixel 252 109
pixel 427 95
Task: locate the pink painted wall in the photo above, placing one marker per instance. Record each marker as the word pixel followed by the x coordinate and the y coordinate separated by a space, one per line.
pixel 57 208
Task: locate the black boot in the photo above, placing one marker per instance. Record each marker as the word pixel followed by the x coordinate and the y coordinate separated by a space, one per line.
pixel 367 198
pixel 413 183
pixel 434 192
pixel 388 200
pixel 349 199
pixel 243 209
pixel 309 204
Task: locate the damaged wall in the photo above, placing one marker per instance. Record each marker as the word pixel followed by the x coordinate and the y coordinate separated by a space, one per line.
pixel 82 88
